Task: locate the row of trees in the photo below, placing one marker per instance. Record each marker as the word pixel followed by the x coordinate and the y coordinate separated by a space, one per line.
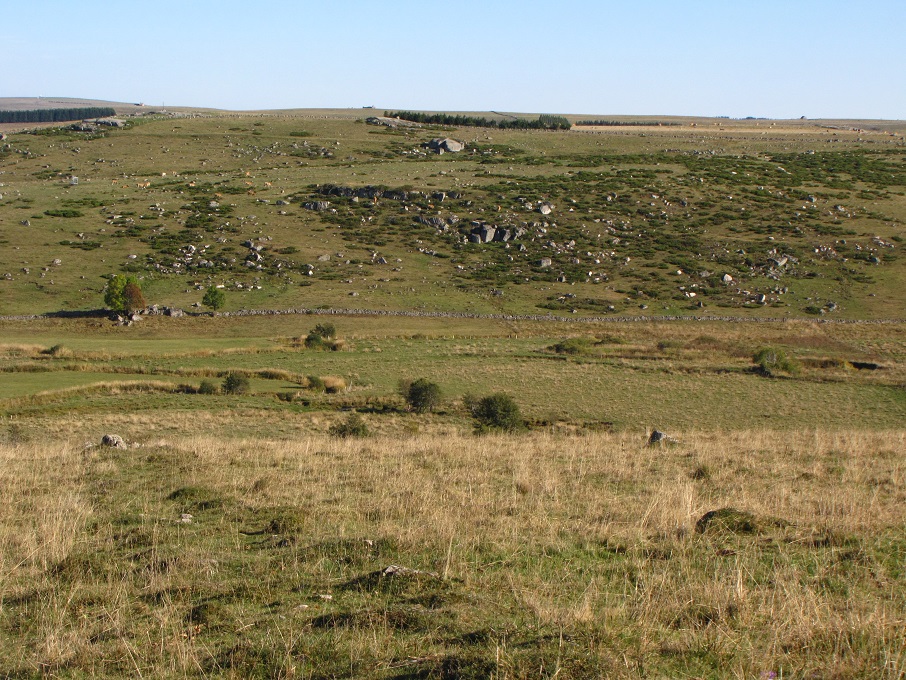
pixel 544 122
pixel 55 115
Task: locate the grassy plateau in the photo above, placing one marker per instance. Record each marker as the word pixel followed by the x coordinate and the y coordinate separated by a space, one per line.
pixel 271 505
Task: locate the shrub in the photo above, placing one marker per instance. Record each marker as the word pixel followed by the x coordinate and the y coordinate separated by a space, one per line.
pixel 207 387
pixel 771 360
pixel 235 383
pixel 325 330
pixel 214 298
pixel 353 426
pixel 315 341
pixel 421 395
pixel 497 412
pixel 315 383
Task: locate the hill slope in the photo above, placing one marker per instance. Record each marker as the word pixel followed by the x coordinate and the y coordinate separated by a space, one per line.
pixel 739 218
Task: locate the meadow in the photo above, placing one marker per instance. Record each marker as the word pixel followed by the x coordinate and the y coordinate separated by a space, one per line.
pixel 734 284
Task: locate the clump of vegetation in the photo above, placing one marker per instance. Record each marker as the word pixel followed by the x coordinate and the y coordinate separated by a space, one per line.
pixel 496 412
pixel 235 383
pixel 421 395
pixel 207 387
pixel 572 346
pixel 214 298
pixel 63 212
pixel 353 426
pixel 770 361
pixel 323 337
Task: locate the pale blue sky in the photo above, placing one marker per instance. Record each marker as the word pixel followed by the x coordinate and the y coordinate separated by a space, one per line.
pixel 772 58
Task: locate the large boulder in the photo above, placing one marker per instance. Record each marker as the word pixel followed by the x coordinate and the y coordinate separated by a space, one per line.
pixel 441 144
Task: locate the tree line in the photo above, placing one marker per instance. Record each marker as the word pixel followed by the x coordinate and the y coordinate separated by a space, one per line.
pixel 544 121
pixel 55 115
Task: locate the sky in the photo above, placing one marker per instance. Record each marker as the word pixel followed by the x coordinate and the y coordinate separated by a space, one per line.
pixel 738 58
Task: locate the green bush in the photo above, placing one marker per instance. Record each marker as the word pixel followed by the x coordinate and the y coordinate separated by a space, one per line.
pixel 353 426
pixel 207 387
pixel 497 412
pixel 235 383
pixel 421 395
pixel 770 361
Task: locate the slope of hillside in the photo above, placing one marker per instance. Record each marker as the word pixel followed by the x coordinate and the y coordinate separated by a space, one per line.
pixel 295 209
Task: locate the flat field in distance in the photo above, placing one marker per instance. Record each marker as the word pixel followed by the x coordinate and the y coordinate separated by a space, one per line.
pixel 734 284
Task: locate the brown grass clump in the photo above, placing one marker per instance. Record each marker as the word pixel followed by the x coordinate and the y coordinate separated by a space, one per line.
pixel 333 384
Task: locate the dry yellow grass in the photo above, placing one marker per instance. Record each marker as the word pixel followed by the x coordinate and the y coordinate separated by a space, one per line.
pixel 593 536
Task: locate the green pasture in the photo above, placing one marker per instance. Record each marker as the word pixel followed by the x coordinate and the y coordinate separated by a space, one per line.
pixel 624 376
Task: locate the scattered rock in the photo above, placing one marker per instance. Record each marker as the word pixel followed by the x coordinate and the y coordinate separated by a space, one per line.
pixel 391 122
pixel 113 441
pixel 658 437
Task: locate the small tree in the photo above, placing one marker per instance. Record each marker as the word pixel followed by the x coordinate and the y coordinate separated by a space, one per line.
pixel 123 294
pixel 421 395
pixel 235 383
pixel 497 412
pixel 214 298
pixel 133 300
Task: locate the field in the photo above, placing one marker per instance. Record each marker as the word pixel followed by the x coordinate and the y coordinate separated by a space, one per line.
pixel 734 284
